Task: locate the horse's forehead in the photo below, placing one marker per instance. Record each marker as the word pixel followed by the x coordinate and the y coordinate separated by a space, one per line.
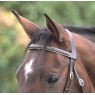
pixel 30 63
pixel 35 60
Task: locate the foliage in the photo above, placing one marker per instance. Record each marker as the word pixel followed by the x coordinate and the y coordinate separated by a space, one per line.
pixel 11 51
pixel 10 56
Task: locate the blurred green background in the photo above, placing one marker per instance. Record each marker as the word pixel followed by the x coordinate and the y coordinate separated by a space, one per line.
pixel 13 40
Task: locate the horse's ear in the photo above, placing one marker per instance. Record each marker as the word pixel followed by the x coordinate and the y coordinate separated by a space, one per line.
pixel 28 26
pixel 56 29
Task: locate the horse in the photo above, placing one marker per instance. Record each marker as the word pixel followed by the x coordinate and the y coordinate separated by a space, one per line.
pixel 56 61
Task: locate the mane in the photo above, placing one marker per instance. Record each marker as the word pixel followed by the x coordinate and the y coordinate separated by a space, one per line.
pixel 87 32
pixel 81 29
pixel 42 37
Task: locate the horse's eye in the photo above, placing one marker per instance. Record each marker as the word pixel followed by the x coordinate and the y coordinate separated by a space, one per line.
pixel 51 80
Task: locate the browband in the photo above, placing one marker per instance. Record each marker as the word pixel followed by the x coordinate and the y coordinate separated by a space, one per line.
pixel 52 49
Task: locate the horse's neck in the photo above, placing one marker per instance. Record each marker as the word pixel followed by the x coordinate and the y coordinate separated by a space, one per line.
pixel 86 54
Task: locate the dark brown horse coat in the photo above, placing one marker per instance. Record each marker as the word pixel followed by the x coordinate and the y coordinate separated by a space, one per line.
pixel 44 71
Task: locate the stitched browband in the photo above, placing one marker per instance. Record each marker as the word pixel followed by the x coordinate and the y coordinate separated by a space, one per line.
pixel 52 49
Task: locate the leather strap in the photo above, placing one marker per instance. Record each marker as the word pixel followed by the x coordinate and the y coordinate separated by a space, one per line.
pixel 52 49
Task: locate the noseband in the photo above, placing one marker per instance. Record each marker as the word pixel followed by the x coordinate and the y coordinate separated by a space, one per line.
pixel 72 55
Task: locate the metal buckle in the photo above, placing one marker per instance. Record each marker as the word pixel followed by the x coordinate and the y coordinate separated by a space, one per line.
pixel 81 82
pixel 71 75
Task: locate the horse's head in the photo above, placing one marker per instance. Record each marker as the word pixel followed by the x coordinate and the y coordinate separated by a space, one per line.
pixel 42 70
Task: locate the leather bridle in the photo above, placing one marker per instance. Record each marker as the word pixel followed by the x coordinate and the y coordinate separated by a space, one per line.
pixel 72 55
